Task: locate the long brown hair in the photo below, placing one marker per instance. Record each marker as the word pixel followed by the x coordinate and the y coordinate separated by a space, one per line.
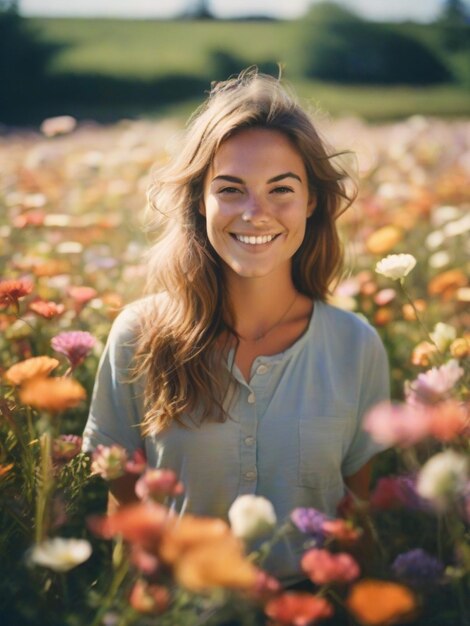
pixel 179 349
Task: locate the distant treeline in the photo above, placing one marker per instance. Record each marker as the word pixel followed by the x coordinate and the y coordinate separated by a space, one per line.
pixel 330 44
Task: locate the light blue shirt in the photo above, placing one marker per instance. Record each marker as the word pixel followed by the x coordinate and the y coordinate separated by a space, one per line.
pixel 294 429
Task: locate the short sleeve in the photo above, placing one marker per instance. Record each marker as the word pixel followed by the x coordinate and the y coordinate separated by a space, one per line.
pixel 117 401
pixel 374 388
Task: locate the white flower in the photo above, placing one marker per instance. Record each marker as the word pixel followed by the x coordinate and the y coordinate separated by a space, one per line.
pixel 442 478
pixel 251 517
pixel 396 266
pixel 60 125
pixel 60 554
pixel 443 335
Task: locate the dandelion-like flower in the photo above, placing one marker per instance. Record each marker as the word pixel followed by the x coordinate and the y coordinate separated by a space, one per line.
pixel 12 290
pixel 60 555
pixel 52 394
pixel 31 368
pixel 75 344
pixel 396 266
pixel 418 568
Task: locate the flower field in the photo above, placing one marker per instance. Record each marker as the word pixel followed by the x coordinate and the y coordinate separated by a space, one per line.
pixel 71 244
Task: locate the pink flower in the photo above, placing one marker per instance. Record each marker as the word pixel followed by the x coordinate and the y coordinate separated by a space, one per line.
pixel 109 462
pixel 341 530
pixel 65 447
pixel 82 294
pixel 449 419
pixel 137 463
pixel 75 344
pixel 323 567
pixel 397 424
pixel 435 384
pixel 157 483
pixel 297 608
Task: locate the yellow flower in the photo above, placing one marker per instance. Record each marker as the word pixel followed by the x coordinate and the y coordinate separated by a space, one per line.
pixel 52 394
pixel 26 370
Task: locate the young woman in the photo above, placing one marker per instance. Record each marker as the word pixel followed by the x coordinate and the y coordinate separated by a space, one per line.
pixel 235 372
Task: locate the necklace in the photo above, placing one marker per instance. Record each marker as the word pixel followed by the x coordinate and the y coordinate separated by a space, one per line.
pixel 279 321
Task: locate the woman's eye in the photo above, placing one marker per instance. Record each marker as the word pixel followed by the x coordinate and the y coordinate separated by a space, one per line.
pixel 282 190
pixel 229 190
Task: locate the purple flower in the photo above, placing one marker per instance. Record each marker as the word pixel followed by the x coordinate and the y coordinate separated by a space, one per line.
pixel 310 521
pixel 418 568
pixel 75 344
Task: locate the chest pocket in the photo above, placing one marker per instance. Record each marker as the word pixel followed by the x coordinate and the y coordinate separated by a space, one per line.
pixel 322 441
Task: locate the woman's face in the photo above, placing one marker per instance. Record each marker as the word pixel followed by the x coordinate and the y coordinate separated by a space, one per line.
pixel 256 202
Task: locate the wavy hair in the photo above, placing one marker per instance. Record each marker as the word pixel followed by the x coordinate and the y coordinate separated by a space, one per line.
pixel 180 349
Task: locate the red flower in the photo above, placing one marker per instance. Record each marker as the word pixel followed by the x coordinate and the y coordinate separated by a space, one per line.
pixel 297 608
pixel 323 567
pixel 12 290
pixel 47 309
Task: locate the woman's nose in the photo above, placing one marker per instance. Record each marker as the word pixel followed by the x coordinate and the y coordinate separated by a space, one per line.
pixel 255 211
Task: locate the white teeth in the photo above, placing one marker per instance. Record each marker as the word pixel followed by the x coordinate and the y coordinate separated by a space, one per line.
pixel 255 240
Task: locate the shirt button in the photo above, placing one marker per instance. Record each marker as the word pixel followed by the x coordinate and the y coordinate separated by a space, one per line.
pixel 250 475
pixel 261 369
pixel 251 398
pixel 249 441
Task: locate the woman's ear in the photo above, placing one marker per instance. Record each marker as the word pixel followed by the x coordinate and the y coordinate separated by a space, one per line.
pixel 312 203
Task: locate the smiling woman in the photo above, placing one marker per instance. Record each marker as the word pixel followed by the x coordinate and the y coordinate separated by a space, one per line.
pixel 234 372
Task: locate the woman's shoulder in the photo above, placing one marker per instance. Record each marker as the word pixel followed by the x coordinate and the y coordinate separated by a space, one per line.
pixel 131 320
pixel 347 325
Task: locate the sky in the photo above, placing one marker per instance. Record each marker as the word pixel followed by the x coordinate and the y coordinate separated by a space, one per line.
pixel 393 10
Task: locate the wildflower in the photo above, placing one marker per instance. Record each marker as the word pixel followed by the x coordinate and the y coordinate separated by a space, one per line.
pixel 396 266
pixel 409 311
pixel 82 294
pixel 377 602
pixel 156 483
pixel 418 568
pixel 298 608
pixel 309 521
pixel 75 344
pixel 341 530
pixel 47 310
pixel 109 462
pixel 251 517
pixel 141 524
pixel 65 447
pixel 447 283
pixel 265 586
pixel 59 125
pixel 385 296
pixel 396 424
pixel 435 384
pixel 442 477
pixel 384 239
pixel 393 492
pixel 31 368
pixel 324 567
pixel 147 598
pixel 52 394
pixel 423 353
pixel 12 290
pixel 137 463
pixel 448 420
pixel 460 348
pixel 443 335
pixel 60 555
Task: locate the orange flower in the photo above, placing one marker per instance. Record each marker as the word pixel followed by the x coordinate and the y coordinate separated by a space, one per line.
pixel 38 366
pixel 448 420
pixel 408 311
pixel 47 309
pixel 422 354
pixel 341 530
pixel 383 316
pixel 384 240
pixel 146 598
pixel 460 347
pixel 12 290
pixel 52 394
pixel 379 603
pixel 298 608
pixel 189 533
pixel 447 283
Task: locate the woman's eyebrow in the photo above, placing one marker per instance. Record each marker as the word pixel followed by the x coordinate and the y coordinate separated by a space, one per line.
pixel 274 179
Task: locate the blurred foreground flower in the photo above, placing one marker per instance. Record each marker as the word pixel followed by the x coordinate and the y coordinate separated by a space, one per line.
pixel 59 554
pixel 443 478
pixel 147 598
pixel 298 609
pixel 52 394
pixel 31 368
pixel 157 483
pixel 377 603
pixel 251 517
pixel 309 521
pixel 109 462
pixel 418 568
pixel 443 335
pixel 396 424
pixel 396 266
pixel 323 567
pixel 435 384
pixel 75 344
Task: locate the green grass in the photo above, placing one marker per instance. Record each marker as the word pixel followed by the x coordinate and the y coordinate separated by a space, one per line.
pixel 151 49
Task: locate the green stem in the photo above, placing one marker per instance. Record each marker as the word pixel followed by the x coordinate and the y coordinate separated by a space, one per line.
pixel 418 318
pixel 44 485
pixel 118 578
